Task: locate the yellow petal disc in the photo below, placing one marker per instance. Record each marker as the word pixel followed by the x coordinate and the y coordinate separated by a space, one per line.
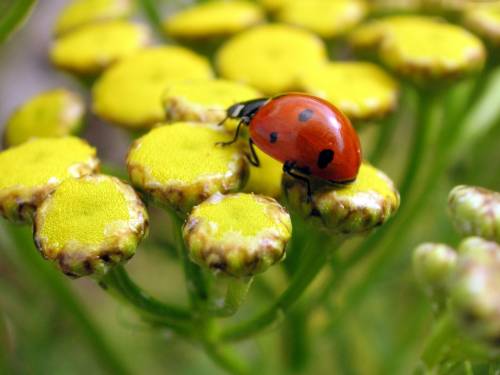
pixel 89 224
pixel 213 19
pixel 266 178
pixel 270 57
pixel 130 92
pixel 93 47
pixel 31 171
pixel 362 91
pixel 81 12
pixel 180 165
pixel 484 19
pixel 204 100
pixel 239 235
pixel 326 18
pixel 53 113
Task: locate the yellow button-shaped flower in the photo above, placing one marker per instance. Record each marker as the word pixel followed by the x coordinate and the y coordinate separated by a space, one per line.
pixel 53 113
pixel 238 235
pixel 93 47
pixel 326 18
pixel 204 100
pixel 440 50
pixel 130 92
pixel 484 19
pixel 31 171
pixel 266 178
pixel 270 57
pixel 180 165
pixel 362 91
pixel 90 224
pixel 81 12
pixel 354 208
pixel 213 19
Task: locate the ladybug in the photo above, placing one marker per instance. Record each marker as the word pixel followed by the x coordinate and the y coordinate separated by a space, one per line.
pixel 308 134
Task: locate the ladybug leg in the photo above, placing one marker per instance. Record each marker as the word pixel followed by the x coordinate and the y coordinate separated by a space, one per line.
pixel 253 158
pixel 288 169
pixel 243 121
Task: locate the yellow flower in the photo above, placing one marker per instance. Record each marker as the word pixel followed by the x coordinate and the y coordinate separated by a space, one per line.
pixel 403 43
pixel 81 12
pixel 205 100
pixel 31 171
pixel 328 19
pixel 358 207
pixel 484 19
pixel 93 47
pixel 179 165
pixel 90 224
pixel 213 19
pixel 129 93
pixel 238 235
pixel 53 113
pixel 266 178
pixel 362 91
pixel 270 57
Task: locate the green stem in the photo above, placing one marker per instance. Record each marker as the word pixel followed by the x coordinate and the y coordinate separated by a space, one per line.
pixel 237 290
pixel 438 342
pixel 61 292
pixel 150 9
pixel 315 257
pixel 385 133
pixel 226 359
pixel 17 11
pixel 296 339
pixel 118 282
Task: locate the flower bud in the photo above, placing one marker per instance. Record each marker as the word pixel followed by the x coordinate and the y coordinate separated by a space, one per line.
pixel 213 19
pixel 354 208
pixel 89 224
pixel 433 264
pixel 129 93
pixel 82 12
pixel 53 113
pixel 31 171
pixel 475 211
pixel 474 289
pixel 238 235
pixel 180 165
pixel 279 54
pixel 91 48
pixel 484 20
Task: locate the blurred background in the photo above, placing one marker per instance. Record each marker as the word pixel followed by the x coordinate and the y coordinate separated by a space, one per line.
pixel 40 336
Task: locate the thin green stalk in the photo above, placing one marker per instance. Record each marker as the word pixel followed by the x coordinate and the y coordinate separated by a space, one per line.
pixel 152 13
pixel 65 298
pixel 315 258
pixel 438 342
pixel 237 290
pixel 384 137
pixel 226 359
pixel 117 282
pixel 296 340
pixel 12 17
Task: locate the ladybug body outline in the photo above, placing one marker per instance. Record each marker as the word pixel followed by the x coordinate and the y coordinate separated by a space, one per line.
pixel 308 134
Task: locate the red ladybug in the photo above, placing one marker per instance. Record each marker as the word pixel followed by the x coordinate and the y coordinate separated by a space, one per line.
pixel 308 134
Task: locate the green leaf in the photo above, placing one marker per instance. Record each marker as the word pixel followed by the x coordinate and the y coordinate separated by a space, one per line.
pixel 12 16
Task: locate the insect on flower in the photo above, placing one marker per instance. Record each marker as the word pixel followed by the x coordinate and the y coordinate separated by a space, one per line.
pixel 308 134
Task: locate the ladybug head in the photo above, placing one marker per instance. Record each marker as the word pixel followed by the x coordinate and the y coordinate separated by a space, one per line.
pixel 245 109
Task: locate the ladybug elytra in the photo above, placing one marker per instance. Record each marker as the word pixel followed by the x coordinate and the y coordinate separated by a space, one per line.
pixel 308 134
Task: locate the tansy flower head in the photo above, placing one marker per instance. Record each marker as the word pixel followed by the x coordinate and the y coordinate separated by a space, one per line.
pixel 325 18
pixel 475 211
pixel 212 19
pixel 81 12
pixel 278 54
pixel 238 235
pixel 433 264
pixel 180 164
pixel 355 208
pixel 31 171
pixel 266 178
pixel 474 289
pixel 361 90
pixel 484 20
pixel 93 47
pixel 53 113
pixel 90 224
pixel 205 100
pixel 130 92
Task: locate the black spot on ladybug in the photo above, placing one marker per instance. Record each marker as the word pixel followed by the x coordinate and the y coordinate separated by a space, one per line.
pixel 273 137
pixel 325 157
pixel 305 115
